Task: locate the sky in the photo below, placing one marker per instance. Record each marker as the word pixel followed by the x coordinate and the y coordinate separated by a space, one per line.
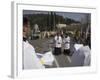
pixel 72 15
pixel 75 16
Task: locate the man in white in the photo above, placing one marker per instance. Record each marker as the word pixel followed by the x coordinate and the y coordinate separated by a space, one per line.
pixel 58 44
pixel 66 42
pixel 87 54
pixel 82 55
pixel 30 59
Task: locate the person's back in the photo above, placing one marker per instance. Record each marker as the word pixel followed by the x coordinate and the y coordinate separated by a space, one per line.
pixel 81 57
pixel 77 58
pixel 87 53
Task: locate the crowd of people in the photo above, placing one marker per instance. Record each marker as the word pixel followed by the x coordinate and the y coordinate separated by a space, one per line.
pixel 61 42
pixel 81 56
pixel 78 48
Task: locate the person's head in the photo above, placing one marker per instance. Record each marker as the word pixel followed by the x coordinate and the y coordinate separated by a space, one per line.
pixel 26 26
pixel 66 35
pixel 58 33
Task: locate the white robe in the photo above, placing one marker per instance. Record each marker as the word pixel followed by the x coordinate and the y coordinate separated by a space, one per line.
pixel 58 42
pixel 30 59
pixel 87 54
pixel 66 42
pixel 81 57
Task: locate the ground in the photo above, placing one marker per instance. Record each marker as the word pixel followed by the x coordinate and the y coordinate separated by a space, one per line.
pixel 43 45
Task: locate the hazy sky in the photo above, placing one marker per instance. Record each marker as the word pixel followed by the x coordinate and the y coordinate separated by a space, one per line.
pixel 75 16
pixel 72 15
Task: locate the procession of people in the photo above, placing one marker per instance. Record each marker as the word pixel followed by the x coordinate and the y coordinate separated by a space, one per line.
pixel 78 48
pixel 79 53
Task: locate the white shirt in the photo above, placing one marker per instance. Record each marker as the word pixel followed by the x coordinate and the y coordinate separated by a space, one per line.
pixel 66 43
pixel 58 41
pixel 82 56
pixel 87 53
pixel 30 59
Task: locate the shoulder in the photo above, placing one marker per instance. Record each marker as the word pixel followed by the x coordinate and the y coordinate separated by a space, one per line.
pixel 55 37
pixel 85 49
pixel 27 45
pixel 60 37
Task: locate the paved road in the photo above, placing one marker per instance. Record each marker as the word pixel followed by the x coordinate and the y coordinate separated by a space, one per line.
pixel 42 45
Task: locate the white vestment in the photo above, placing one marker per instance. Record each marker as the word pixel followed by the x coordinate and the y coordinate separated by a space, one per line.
pixel 66 42
pixel 87 54
pixel 82 56
pixel 58 41
pixel 30 59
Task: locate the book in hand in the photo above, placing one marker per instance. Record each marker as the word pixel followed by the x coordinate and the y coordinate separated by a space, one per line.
pixel 47 58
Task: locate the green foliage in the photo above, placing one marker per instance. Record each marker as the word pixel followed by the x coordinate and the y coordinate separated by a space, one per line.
pixel 48 21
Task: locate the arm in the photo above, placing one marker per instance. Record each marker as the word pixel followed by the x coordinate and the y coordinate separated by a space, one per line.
pixel 31 61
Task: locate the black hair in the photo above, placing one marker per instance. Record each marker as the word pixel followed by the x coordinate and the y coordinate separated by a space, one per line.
pixel 25 21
